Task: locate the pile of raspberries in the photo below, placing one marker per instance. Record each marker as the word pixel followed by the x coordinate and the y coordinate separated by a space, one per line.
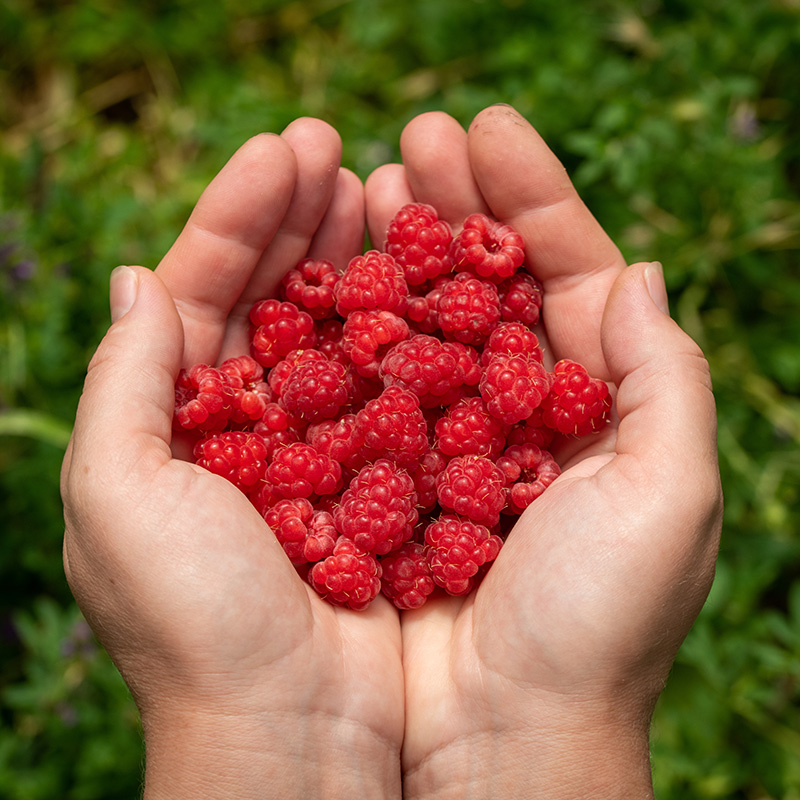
pixel 392 421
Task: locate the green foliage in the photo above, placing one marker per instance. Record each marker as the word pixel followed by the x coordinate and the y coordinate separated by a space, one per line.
pixel 678 121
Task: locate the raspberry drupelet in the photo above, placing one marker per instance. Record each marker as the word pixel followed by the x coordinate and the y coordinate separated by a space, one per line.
pixel 349 577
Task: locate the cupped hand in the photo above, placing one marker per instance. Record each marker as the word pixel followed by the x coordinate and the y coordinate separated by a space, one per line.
pixel 542 681
pixel 245 678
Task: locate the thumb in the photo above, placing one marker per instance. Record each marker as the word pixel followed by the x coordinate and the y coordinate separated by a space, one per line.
pixel 665 400
pixel 129 393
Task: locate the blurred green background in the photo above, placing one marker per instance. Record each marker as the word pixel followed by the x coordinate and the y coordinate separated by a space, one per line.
pixel 679 121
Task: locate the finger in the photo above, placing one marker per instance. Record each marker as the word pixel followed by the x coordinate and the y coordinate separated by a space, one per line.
pixel 386 191
pixel 211 262
pixel 526 186
pixel 340 235
pixel 435 152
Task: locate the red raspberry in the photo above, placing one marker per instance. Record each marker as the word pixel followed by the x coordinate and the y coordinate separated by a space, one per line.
pixel 339 440
pixel 204 399
pixel 437 372
pixel 577 404
pixel 467 428
pixel 407 579
pixel 520 299
pixel 349 577
pixel 277 329
pixel 277 427
pixel 419 242
pixel 472 487
pixel 457 549
pixel 528 470
pixel 513 386
pixel 487 248
pixel 238 456
pixel 468 310
pixel 316 390
pixel 393 426
pixel 378 510
pixel 305 534
pixel 512 338
pixel 310 287
pixel 283 369
pixel 367 337
pixel 372 282
pixel 299 470
pixel 329 334
pixel 531 431
pixel 424 476
pixel 251 393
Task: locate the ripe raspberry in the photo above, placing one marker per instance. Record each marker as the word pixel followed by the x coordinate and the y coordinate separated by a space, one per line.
pixel 372 282
pixel 467 428
pixel 528 470
pixel 204 399
pixel 468 310
pixel 339 440
pixel 316 390
pixel 513 386
pixel 329 334
pixel 378 510
pixel 457 549
pixel 299 470
pixel 512 338
pixel 393 426
pixel 305 534
pixel 280 372
pixel 278 328
pixel 277 427
pixel 577 404
pixel 424 476
pixel 437 372
pixel 407 579
pixel 310 287
pixel 531 431
pixel 251 393
pixel 238 456
pixel 487 248
pixel 419 242
pixel 520 299
pixel 472 487
pixel 349 577
pixel 367 337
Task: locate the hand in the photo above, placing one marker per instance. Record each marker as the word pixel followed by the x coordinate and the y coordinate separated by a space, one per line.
pixel 248 683
pixel 542 682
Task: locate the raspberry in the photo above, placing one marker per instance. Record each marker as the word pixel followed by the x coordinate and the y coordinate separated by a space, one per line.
pixel 315 390
pixel 329 334
pixel 305 534
pixel 512 338
pixel 251 394
pixel 424 476
pixel 528 470
pixel 520 299
pixel 435 371
pixel 458 548
pixel 472 487
pixel 372 282
pixel 393 426
pixel 378 510
pixel 299 470
pixel 407 579
pixel 367 337
pixel 204 399
pixel 577 404
pixel 238 456
pixel 277 329
pixel 467 428
pixel 310 287
pixel 468 310
pixel 419 241
pixel 513 386
pixel 280 372
pixel 487 248
pixel 531 431
pixel 277 427
pixel 349 577
pixel 339 440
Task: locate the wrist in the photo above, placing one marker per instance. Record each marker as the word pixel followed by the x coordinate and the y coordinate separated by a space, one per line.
pixel 266 754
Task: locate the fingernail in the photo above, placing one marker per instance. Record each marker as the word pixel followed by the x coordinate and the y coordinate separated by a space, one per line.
pixel 123 286
pixel 654 279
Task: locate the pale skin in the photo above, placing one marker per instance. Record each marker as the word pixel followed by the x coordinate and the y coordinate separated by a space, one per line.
pixel 539 684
